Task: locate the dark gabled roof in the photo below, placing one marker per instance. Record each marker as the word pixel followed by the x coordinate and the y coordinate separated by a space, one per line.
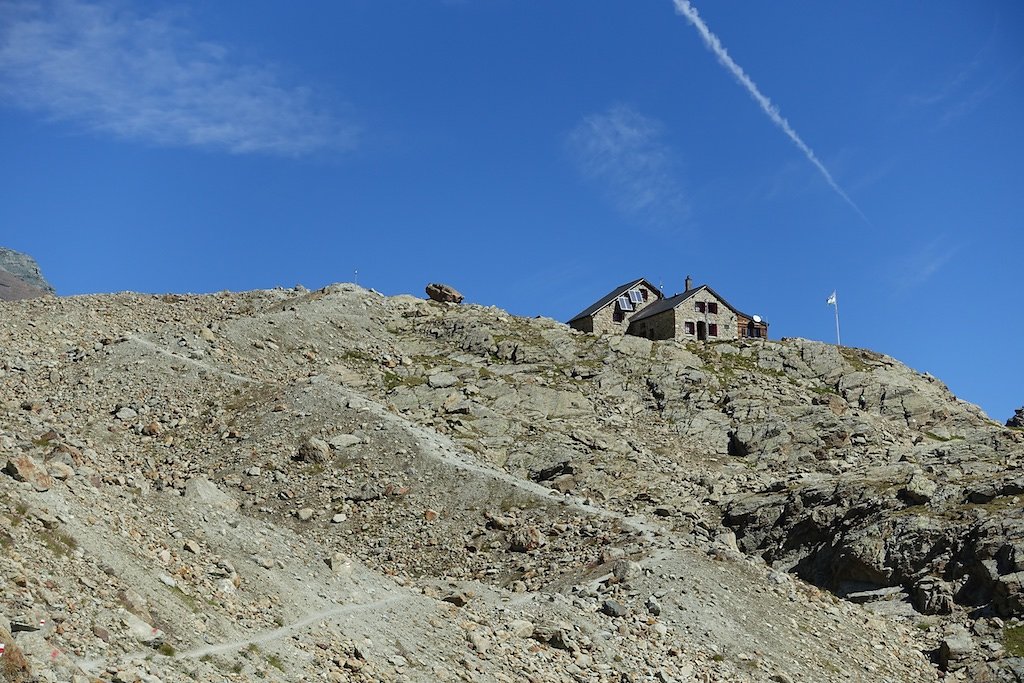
pixel 664 305
pixel 613 295
pixel 674 301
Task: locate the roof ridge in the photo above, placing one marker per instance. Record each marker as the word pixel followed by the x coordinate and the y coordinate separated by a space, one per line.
pixel 615 293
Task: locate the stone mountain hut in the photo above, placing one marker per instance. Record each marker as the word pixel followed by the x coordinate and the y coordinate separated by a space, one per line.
pixel 640 309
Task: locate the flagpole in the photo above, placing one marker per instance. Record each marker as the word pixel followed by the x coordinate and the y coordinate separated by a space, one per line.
pixel 836 304
pixel 833 300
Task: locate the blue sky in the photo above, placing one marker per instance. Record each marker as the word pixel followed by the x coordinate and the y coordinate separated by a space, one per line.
pixel 535 154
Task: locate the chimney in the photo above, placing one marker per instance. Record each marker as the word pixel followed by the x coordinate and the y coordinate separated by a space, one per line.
pixel 689 283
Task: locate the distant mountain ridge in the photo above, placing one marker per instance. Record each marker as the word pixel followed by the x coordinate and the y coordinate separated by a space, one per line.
pixel 21 277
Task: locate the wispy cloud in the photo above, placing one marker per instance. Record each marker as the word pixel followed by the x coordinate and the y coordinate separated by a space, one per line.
pixel 964 92
pixel 951 86
pixel 148 78
pixel 918 266
pixel 965 87
pixel 624 151
pixel 771 111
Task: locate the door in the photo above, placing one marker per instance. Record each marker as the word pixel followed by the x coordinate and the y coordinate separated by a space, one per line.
pixel 702 331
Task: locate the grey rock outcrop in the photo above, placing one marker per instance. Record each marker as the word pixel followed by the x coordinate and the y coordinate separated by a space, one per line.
pixel 13 289
pixel 24 271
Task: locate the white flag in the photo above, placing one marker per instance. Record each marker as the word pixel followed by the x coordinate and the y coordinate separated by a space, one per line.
pixel 831 298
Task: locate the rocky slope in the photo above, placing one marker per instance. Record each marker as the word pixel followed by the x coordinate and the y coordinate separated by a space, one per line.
pixel 336 485
pixel 20 277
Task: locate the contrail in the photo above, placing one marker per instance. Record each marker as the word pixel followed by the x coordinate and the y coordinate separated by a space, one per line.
pixel 715 45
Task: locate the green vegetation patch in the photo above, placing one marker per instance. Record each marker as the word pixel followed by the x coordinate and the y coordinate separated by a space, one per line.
pixel 1013 641
pixel 253 397
pixel 936 437
pixel 184 597
pixel 858 358
pixel 393 380
pixel 59 543
pixel 727 366
pixel 357 356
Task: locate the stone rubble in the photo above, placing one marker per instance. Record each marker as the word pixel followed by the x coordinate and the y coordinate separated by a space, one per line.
pixel 336 485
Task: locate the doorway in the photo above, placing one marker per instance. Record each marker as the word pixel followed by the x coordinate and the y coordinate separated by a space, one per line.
pixel 702 331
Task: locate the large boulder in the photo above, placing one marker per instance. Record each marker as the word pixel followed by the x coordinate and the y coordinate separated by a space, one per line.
pixel 313 450
pixel 444 293
pixel 24 468
pixel 202 490
pixel 1017 420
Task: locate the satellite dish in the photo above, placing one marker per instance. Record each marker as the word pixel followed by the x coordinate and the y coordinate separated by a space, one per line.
pixel 757 318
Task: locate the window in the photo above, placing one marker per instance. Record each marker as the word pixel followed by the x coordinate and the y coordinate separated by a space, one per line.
pixel 644 292
pixel 689 328
pixel 635 296
pixel 625 304
pixel 712 330
pixel 699 306
pixel 617 315
pixel 712 307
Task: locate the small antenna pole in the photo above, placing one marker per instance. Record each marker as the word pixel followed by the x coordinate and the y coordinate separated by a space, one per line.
pixel 355 276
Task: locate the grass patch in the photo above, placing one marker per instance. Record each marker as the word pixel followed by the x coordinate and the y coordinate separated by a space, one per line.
pixel 727 367
pixel 59 543
pixel 393 380
pixel 936 437
pixel 275 662
pixel 856 359
pixel 189 600
pixel 166 649
pixel 254 397
pixel 1013 641
pixel 357 356
pixel 998 505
